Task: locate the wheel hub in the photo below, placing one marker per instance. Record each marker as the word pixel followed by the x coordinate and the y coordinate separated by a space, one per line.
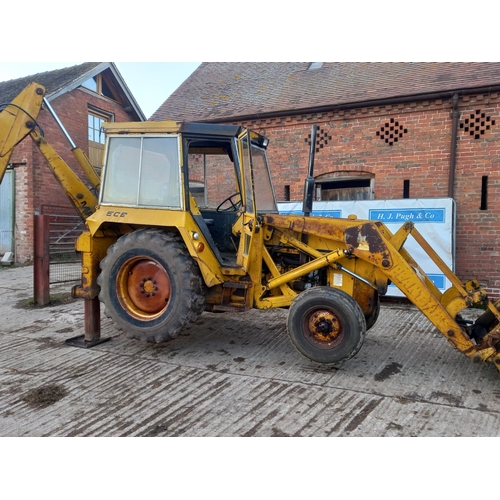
pixel 147 287
pixel 324 328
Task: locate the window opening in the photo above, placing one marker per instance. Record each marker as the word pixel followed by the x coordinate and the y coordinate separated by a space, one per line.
pixel 315 65
pixel 346 189
pixel 406 188
pixel 100 84
pixel 484 193
pixel 91 84
pixel 96 133
pixel 96 136
pixel 212 174
pixel 287 192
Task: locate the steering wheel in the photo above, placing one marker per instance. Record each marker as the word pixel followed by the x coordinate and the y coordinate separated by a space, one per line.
pixel 234 206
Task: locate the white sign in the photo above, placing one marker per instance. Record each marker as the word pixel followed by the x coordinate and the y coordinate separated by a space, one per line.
pixel 433 217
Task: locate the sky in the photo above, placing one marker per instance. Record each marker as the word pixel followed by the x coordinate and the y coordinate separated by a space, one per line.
pixel 151 83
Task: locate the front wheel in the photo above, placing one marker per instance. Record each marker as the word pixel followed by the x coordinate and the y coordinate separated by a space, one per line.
pixel 326 325
pixel 371 318
pixel 150 285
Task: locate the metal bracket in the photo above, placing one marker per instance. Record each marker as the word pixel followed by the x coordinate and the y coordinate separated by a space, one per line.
pixel 80 341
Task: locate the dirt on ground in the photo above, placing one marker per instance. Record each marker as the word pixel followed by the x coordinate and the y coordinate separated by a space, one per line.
pixel 44 396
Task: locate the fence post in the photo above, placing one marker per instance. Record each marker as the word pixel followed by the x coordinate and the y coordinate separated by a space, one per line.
pixel 41 269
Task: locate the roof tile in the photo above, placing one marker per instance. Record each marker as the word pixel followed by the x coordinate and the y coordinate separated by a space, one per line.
pixel 53 81
pixel 228 90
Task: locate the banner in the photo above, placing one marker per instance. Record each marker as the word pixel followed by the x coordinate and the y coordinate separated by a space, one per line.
pixel 433 217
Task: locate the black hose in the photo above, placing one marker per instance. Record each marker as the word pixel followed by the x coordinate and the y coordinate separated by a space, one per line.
pixel 35 123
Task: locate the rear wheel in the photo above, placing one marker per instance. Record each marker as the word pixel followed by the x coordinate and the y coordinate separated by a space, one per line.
pixel 326 325
pixel 150 285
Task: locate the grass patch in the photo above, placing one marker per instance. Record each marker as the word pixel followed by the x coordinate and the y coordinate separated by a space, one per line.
pixel 55 300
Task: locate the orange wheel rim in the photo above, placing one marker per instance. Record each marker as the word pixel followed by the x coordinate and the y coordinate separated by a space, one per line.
pixel 143 288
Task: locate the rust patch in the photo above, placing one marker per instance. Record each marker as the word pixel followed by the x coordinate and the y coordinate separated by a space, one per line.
pixel 352 236
pixel 365 237
pixel 372 236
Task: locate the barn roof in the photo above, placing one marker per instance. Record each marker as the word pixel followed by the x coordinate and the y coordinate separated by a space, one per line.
pixel 224 91
pixel 63 80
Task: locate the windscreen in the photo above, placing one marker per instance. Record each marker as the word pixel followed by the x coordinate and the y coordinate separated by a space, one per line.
pixel 142 171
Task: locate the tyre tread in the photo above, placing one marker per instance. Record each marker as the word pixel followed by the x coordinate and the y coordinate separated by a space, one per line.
pixel 193 302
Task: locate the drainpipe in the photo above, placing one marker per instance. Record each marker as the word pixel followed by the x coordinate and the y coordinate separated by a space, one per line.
pixel 453 152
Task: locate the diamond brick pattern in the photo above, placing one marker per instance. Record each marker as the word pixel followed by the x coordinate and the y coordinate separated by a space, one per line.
pixel 322 139
pixel 391 131
pixel 477 124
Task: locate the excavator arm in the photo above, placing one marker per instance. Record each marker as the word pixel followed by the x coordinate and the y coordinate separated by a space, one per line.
pixel 18 120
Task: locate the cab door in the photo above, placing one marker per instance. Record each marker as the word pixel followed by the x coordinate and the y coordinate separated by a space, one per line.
pixel 248 220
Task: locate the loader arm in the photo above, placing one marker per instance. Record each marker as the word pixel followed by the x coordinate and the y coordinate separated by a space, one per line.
pixel 373 243
pixel 18 120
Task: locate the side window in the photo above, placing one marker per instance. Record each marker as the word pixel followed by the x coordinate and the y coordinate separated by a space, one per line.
pixel 245 158
pixel 212 175
pixel 264 193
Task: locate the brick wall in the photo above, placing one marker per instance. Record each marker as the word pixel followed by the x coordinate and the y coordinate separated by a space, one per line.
pixel 36 188
pixel 350 145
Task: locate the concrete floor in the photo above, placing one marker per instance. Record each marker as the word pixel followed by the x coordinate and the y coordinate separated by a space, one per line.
pixel 231 375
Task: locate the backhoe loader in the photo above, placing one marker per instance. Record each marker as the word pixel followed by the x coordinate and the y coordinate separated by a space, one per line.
pixel 184 219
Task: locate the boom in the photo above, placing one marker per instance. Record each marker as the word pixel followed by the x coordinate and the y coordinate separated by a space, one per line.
pixel 18 120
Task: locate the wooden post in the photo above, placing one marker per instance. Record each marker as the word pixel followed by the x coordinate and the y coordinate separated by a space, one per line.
pixel 41 270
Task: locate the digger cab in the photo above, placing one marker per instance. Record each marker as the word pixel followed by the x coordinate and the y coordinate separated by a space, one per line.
pixel 217 175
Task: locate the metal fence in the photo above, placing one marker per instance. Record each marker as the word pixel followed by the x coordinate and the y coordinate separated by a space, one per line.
pixel 63 260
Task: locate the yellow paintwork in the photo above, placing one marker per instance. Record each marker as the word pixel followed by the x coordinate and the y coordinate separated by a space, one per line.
pixel 170 219
pixel 142 127
pixel 93 249
pixel 16 124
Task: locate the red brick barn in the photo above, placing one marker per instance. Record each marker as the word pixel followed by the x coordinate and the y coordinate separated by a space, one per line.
pixel 386 131
pixel 83 96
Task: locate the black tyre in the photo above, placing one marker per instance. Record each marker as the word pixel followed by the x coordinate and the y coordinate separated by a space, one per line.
pixel 150 286
pixel 326 325
pixel 371 319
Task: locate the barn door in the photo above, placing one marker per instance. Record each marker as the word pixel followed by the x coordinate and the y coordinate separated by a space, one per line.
pixel 7 213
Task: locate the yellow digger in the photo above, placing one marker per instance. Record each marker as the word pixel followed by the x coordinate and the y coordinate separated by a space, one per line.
pixel 184 219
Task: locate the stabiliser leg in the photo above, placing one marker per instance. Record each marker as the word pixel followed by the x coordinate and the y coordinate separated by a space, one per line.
pixel 92 336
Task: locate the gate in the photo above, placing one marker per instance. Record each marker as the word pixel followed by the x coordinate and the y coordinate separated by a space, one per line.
pixel 64 262
pixel 7 213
